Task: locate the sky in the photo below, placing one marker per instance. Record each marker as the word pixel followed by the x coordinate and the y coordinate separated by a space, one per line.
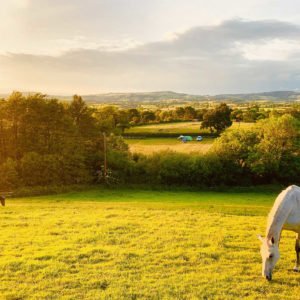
pixel 194 46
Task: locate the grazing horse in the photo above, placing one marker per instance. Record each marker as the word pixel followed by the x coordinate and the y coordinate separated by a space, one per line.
pixel 285 214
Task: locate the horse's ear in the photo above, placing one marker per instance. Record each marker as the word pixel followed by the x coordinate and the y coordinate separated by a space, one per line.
pixel 260 238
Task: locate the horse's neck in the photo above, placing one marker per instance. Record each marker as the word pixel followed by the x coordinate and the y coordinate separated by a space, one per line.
pixel 274 229
pixel 278 216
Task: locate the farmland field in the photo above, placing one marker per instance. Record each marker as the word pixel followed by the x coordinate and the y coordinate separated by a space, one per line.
pixel 147 144
pixel 140 244
pixel 151 145
pixel 178 128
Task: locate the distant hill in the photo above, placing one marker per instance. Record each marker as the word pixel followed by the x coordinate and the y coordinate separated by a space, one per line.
pixel 142 97
pixel 272 96
pixel 169 96
pixel 152 97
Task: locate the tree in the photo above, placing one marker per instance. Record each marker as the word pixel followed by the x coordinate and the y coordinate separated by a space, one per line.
pixel 3 142
pixel 77 109
pixel 217 119
pixel 9 175
pixel 179 113
pixel 277 147
pixel 266 152
pixel 250 115
pixel 81 115
pixel 123 120
pixel 148 116
pixel 134 116
pixel 237 115
pixel 189 113
pixel 200 113
pixel 107 118
pixel 15 109
pixel 165 115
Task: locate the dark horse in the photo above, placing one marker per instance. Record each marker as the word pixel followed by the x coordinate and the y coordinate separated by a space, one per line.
pixel 2 200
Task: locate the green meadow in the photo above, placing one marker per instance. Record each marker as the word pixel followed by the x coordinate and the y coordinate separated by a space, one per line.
pixel 141 244
pixel 148 139
pixel 178 128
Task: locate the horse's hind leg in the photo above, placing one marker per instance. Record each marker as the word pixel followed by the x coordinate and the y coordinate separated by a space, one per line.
pixel 297 248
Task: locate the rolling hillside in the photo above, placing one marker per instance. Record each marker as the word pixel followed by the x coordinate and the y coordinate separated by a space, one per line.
pixel 165 96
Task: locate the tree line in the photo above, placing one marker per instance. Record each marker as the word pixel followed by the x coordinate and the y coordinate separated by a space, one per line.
pixel 216 118
pixel 47 142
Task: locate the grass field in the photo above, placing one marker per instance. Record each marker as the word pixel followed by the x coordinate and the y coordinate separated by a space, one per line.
pixel 140 244
pixel 148 145
pixel 151 145
pixel 178 128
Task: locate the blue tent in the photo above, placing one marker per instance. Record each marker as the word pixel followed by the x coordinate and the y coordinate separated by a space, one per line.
pixel 185 138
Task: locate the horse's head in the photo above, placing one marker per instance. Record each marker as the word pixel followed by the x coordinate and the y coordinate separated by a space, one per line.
pixel 270 254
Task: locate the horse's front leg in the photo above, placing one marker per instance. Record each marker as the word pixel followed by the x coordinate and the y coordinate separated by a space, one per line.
pixel 297 248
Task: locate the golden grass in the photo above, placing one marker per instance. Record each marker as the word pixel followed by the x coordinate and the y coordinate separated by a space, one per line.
pixel 142 146
pixel 190 246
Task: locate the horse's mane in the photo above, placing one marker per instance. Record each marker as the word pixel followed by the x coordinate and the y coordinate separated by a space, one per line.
pixel 280 209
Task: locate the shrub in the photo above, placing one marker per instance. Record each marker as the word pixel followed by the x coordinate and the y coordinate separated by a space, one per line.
pixel 9 175
pixel 265 153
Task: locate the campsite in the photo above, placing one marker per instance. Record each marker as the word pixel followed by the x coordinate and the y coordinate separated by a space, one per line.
pixel 148 139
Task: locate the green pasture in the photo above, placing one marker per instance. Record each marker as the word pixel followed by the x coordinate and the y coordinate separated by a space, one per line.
pixel 177 128
pixel 140 244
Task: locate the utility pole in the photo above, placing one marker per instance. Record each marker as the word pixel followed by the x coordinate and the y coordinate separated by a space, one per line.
pixel 105 156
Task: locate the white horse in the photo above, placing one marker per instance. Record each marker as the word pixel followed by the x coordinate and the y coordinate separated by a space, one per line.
pixel 285 214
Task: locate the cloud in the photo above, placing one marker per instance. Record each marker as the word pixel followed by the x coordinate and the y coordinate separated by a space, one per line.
pixel 235 56
pixel 51 26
